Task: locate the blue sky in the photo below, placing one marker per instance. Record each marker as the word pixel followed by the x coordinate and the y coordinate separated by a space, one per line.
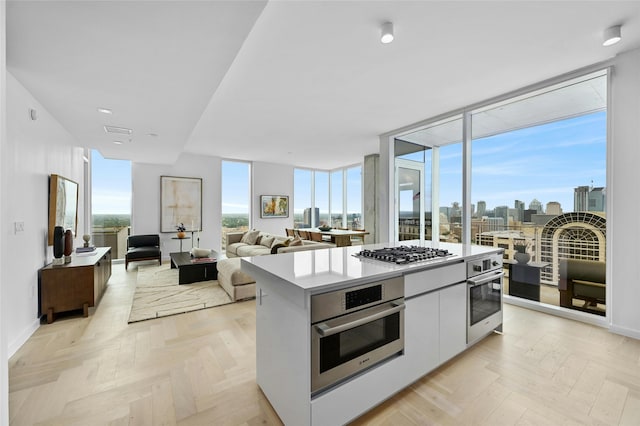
pixel 545 162
pixel 111 185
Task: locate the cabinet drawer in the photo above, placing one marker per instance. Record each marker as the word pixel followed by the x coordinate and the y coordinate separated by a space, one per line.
pixel 433 279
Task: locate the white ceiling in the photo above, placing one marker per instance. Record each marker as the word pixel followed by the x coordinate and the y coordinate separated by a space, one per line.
pixel 296 82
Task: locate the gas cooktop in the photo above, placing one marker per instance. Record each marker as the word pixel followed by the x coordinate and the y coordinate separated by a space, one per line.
pixel 405 254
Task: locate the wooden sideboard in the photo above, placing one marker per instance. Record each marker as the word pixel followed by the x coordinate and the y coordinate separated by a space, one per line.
pixel 75 285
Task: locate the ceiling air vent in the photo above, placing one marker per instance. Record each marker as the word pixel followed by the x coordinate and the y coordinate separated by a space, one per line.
pixel 118 130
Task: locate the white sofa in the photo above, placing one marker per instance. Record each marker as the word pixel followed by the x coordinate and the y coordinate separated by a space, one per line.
pixel 236 248
pixel 238 284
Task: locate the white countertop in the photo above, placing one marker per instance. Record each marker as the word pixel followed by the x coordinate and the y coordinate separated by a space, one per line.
pixel 319 269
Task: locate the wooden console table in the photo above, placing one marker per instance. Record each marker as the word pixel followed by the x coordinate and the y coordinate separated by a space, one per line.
pixel 75 285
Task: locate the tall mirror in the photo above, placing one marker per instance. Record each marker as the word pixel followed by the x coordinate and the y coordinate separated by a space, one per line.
pixel 63 205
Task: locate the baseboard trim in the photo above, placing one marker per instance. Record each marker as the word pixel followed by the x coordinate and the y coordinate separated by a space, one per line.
pixel 22 338
pixel 624 331
pixel 557 311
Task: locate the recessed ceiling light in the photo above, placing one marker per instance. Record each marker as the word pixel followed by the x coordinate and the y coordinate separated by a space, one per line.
pixel 118 142
pixel 153 135
pixel 105 110
pixel 119 130
pixel 612 35
pixel 386 35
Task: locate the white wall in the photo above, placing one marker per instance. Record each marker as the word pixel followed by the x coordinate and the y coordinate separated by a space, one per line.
pixel 34 150
pixel 625 201
pixel 145 214
pixel 271 179
pixel 4 302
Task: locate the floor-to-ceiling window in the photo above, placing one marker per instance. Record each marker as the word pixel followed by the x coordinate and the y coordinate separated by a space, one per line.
pixel 235 197
pixel 303 214
pixel 321 194
pixel 539 171
pixel 110 203
pixel 536 167
pixel 337 199
pixel 333 198
pixel 354 197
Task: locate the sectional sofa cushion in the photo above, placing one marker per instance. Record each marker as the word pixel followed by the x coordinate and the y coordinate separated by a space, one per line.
pixel 250 237
pixel 280 244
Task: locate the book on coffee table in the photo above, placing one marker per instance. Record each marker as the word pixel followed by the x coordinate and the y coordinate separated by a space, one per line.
pixel 203 259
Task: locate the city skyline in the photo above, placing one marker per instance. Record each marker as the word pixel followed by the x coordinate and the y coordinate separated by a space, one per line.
pixel 545 162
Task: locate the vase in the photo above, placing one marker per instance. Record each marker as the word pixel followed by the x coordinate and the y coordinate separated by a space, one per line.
pixel 522 257
pixel 68 245
pixel 181 234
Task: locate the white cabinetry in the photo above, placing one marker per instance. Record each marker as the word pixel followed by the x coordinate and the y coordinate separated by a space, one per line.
pixel 436 317
pixel 453 321
pixel 421 328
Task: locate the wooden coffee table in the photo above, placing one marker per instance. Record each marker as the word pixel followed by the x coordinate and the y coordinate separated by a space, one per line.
pixel 192 269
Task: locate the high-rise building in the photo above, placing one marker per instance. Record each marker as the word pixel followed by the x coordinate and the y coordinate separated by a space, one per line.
pixel 581 199
pixel 589 199
pixel 519 210
pixel 528 214
pixel 554 208
pixel 502 212
pixel 482 208
pixel 536 205
pixel 597 200
pixel 307 217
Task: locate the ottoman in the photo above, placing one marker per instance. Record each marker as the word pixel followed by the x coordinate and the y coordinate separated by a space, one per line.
pixel 236 283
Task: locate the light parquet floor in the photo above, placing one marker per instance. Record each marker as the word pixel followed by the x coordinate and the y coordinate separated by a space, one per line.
pixel 199 369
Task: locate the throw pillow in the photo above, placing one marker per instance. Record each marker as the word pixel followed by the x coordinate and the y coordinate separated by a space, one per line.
pixel 295 242
pixel 250 237
pixel 275 247
pixel 267 241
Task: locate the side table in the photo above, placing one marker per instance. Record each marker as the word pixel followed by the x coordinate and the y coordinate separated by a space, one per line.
pixel 524 279
pixel 176 238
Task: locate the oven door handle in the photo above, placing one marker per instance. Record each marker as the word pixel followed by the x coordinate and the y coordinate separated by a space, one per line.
pixel 484 279
pixel 324 330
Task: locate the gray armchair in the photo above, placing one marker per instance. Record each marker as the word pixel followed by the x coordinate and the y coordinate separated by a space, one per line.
pixel 143 247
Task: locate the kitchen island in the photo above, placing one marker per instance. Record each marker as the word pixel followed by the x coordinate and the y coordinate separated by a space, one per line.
pixel 432 318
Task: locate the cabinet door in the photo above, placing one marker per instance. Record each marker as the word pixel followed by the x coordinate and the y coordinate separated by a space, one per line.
pixel 453 321
pixel 421 327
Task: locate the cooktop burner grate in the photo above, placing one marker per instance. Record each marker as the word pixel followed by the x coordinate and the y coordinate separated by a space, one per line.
pixel 404 254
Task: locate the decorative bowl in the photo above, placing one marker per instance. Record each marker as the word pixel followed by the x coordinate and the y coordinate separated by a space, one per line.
pixel 200 252
pixel 324 228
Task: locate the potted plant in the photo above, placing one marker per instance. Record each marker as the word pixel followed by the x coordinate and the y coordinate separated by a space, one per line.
pixel 180 227
pixel 521 247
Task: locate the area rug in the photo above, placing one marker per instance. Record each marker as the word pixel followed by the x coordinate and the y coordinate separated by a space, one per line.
pixel 159 295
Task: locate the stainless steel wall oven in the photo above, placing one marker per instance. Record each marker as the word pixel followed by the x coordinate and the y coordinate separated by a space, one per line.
pixel 484 296
pixel 353 329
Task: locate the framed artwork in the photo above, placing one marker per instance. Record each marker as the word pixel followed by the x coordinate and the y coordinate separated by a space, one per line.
pixel 274 206
pixel 180 202
pixel 63 205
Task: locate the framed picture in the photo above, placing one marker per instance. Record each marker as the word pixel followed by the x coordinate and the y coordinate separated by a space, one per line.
pixel 180 202
pixel 274 206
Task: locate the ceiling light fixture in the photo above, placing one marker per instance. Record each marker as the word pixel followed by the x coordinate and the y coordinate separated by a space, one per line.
pixel 105 110
pixel 387 33
pixel 612 35
pixel 118 130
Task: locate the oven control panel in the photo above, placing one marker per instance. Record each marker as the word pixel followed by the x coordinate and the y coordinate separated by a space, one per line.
pixel 363 296
pixel 340 302
pixel 484 264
